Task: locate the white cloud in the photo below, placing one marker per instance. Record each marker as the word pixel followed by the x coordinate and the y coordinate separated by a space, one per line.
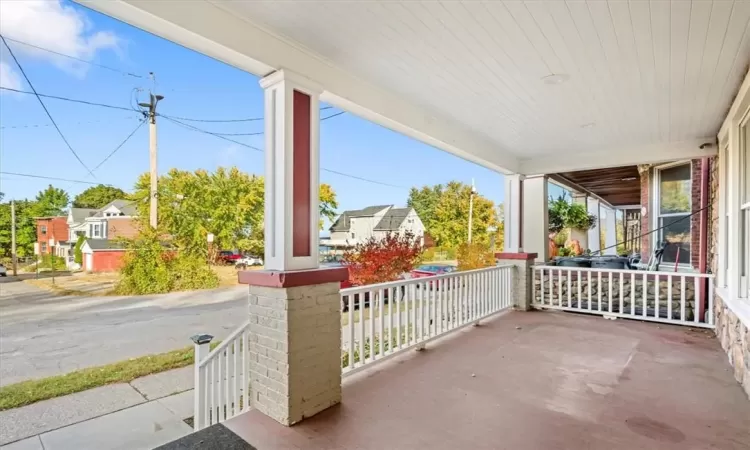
pixel 8 78
pixel 52 25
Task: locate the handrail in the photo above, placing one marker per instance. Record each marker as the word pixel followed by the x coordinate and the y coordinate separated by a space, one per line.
pixel 224 344
pixel 624 271
pixel 409 281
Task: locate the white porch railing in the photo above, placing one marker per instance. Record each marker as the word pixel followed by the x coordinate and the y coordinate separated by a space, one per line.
pixel 384 319
pixel 222 379
pixel 676 298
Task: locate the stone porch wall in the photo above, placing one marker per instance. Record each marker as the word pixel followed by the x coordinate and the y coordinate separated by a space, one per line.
pixel 561 284
pixel 735 340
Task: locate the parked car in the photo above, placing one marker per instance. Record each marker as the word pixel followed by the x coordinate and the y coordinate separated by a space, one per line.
pixel 3 271
pixel 229 257
pixel 430 270
pixel 248 261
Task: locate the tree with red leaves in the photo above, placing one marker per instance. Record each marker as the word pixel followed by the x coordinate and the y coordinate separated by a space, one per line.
pixel 382 260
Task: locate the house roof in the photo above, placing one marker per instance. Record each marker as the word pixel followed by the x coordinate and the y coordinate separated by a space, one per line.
pixel 104 244
pixel 393 219
pixel 125 206
pixel 79 214
pixel 344 220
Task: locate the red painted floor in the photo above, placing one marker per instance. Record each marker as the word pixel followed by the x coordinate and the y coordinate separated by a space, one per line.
pixel 561 381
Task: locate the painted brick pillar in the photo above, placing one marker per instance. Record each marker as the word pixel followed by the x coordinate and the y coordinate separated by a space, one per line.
pixel 294 306
pixel 292 116
pixel 512 209
pixel 522 278
pixel 535 222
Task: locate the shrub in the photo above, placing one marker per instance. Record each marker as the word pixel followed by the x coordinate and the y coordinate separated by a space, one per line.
pixel 381 260
pixel 148 268
pixel 77 253
pixel 565 214
pixel 474 256
pixel 47 261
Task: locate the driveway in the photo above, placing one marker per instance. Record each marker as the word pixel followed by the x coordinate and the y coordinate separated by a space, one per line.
pixel 42 334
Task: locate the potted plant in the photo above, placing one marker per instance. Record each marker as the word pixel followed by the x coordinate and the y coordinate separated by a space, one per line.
pixel 574 217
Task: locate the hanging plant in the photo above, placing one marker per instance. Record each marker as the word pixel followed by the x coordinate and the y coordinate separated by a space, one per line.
pixel 565 214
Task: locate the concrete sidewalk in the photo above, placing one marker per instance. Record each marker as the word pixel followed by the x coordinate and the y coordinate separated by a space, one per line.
pixel 142 414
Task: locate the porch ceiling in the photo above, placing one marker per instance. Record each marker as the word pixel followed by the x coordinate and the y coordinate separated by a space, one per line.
pixel 619 186
pixel 641 81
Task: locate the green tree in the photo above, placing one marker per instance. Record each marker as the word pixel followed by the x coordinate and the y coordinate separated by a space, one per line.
pixel 450 224
pixel 25 228
pixel 98 196
pixel 77 252
pixel 50 202
pixel 424 201
pixel 328 203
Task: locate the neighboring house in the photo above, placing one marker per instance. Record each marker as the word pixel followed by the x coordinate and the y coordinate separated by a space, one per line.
pixel 51 232
pixel 356 226
pixel 102 255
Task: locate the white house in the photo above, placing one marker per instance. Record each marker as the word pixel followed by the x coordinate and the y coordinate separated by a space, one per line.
pixel 356 226
pixel 111 221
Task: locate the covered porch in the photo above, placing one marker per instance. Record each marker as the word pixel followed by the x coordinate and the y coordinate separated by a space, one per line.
pixel 533 91
pixel 531 381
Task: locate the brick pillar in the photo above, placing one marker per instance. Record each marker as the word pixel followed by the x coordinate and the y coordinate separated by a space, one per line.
pixel 295 342
pixel 646 238
pixel 522 278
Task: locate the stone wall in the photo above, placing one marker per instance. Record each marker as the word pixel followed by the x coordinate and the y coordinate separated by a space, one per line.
pixel 735 340
pixel 561 284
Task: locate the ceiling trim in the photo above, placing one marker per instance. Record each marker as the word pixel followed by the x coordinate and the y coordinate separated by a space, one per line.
pixel 571 161
pixel 215 31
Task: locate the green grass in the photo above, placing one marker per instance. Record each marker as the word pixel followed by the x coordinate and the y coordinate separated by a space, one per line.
pixel 32 391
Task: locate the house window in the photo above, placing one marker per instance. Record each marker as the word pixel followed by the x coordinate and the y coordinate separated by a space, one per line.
pixel 745 208
pixel 43 229
pixel 97 230
pixel 43 247
pixel 674 207
pixel 352 235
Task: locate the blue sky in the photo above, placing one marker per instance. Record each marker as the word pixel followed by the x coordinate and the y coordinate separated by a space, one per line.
pixel 194 86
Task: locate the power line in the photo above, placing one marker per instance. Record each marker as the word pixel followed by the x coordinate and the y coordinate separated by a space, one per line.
pixel 42 125
pixel 336 172
pixel 333 115
pixel 251 119
pixel 140 124
pixel 23 72
pixel 102 66
pixel 103 105
pixel 49 178
pixel 258 133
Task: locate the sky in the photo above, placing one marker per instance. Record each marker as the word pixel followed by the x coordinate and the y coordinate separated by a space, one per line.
pixel 194 86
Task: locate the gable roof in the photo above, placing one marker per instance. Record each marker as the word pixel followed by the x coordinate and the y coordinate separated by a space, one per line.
pixel 125 206
pixel 78 215
pixel 393 219
pixel 344 220
pixel 104 244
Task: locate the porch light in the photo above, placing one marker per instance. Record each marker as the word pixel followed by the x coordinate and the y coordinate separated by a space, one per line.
pixel 555 78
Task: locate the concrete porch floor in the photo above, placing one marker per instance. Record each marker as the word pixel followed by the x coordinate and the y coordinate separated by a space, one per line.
pixel 560 381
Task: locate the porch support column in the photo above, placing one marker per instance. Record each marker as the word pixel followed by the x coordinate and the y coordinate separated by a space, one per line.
pixel 295 320
pixel 535 222
pixel 610 230
pixel 512 209
pixel 595 240
pixel 582 236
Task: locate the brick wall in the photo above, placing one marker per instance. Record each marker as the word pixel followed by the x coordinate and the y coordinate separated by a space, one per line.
pixel 695 220
pixel 57 229
pixel 713 215
pixel 107 261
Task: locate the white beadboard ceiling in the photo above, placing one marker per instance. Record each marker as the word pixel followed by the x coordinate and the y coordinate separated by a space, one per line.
pixel 644 81
pixel 637 72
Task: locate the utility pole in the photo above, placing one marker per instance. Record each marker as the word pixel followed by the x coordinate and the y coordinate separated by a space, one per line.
pixel 471 207
pixel 151 114
pixel 13 237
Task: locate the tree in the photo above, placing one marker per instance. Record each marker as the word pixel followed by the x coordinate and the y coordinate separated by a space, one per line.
pixel 424 201
pixel 328 203
pixel 77 252
pixel 474 256
pixel 450 224
pixel 50 202
pixel 25 228
pixel 98 196
pixel 381 260
pixel 227 203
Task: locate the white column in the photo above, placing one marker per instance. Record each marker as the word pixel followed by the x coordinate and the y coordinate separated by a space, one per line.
pixel 582 236
pixel 595 242
pixel 512 211
pixel 292 116
pixel 535 222
pixel 610 230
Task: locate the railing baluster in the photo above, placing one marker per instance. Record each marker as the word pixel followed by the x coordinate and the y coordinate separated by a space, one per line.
pixel 711 293
pixel 589 289
pixel 645 295
pixel 235 383
pixel 609 293
pixel 579 280
pixel 622 293
pixel 559 288
pixel 373 303
pixel 212 419
pixel 391 298
pixel 207 395
pixel 697 301
pixel 399 300
pixel 226 385
pixel 656 295
pixel 669 297
pixel 632 294
pixel 381 312
pixel 359 297
pixel 352 338
pixel 568 274
pixel 551 287
pixel 245 375
pixel 599 290
pixel 683 317
pixel 533 285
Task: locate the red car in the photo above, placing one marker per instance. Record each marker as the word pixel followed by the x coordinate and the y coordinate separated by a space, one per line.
pixel 229 257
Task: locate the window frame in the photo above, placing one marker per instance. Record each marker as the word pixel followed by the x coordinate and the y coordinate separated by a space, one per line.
pixel 43 229
pixel 656 206
pixel 743 216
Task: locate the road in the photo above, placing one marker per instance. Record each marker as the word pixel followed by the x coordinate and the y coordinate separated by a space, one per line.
pixel 42 334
